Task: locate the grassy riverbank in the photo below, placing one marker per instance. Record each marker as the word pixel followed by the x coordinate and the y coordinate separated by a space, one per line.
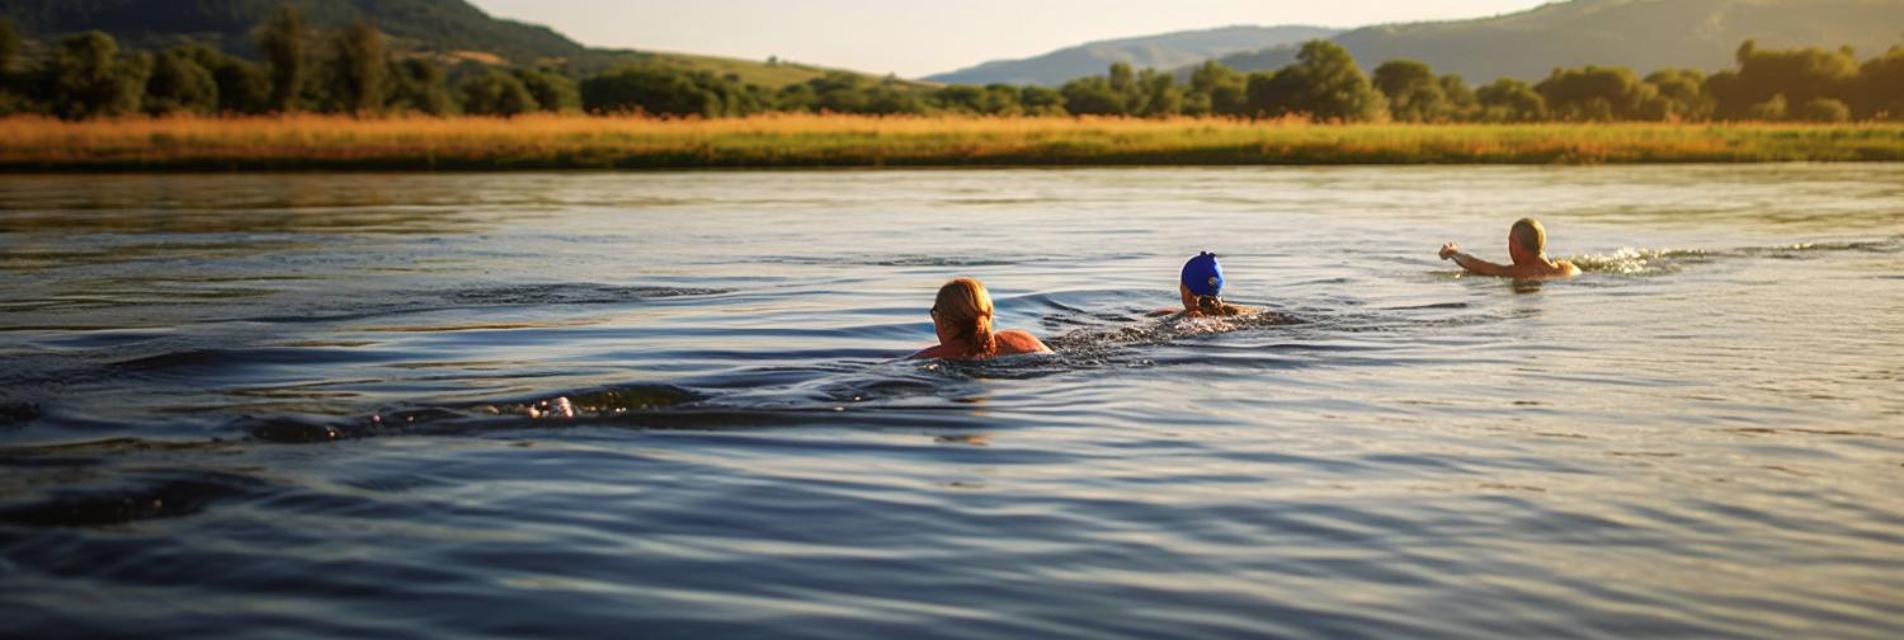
pixel 575 142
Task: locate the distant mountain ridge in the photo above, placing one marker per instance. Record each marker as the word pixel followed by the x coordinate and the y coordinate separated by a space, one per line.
pixel 440 26
pixel 1642 34
pixel 443 25
pixel 1164 51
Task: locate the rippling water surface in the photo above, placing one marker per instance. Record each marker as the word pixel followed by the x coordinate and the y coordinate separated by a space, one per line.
pixel 302 405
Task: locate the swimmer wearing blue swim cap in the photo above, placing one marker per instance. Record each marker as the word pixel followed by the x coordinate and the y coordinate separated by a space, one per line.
pixel 1201 284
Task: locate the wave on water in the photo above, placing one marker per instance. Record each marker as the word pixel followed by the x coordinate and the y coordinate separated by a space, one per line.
pixel 116 486
pixel 1887 245
pixel 14 415
pixel 924 260
pixel 124 497
pixel 570 293
pixel 1642 262
pixel 764 398
pixel 891 261
pixel 1113 345
pixel 537 295
pixel 1639 262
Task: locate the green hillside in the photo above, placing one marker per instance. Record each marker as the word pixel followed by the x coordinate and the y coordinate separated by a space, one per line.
pixel 434 26
pixel 1642 34
pixel 1167 51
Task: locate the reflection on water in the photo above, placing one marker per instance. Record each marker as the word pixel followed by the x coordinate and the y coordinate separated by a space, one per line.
pixel 571 404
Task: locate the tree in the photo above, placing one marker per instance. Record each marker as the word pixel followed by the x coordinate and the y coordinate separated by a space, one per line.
pixel 959 98
pixel 1880 91
pixel 1681 94
pixel 669 92
pixel 1801 75
pixel 1823 110
pixel 890 98
pixel 1772 110
pixel 553 92
pixel 285 52
pixel 990 100
pixel 1273 94
pixel 240 86
pixel 1510 100
pixel 419 85
pixel 1158 95
pixel 9 48
pixel 1001 100
pixel 1330 87
pixel 1092 96
pixel 1727 95
pixel 497 93
pixel 243 87
pixel 1041 101
pixel 793 97
pixel 1593 94
pixel 88 78
pixel 1216 89
pixel 180 85
pixel 362 69
pixel 11 100
pixel 1414 93
pixel 1118 93
pixel 1123 80
pixel 841 92
pixel 1462 104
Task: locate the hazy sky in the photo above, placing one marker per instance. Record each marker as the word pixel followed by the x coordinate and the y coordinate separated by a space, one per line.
pixel 922 37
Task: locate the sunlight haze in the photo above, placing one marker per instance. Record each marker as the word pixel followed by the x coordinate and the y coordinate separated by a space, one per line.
pixel 915 38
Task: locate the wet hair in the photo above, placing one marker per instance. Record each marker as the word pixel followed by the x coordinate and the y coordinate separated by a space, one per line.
pixel 965 305
pixel 1531 237
pixel 1211 305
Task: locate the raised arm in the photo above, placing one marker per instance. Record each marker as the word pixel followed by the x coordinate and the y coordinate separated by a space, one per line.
pixel 1472 264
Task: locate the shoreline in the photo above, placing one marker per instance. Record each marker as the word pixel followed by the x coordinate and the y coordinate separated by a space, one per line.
pixel 306 143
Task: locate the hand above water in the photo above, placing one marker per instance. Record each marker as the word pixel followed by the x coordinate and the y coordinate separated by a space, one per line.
pixel 1449 250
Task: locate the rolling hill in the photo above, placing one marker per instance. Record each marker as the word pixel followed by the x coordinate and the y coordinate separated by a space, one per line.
pixel 1167 51
pixel 1642 34
pixel 434 26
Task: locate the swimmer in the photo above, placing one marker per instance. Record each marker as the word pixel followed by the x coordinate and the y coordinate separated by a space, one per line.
pixel 962 316
pixel 1527 246
pixel 1201 285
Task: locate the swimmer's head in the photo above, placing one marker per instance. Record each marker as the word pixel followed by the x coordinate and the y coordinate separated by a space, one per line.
pixel 1203 276
pixel 1527 240
pixel 963 311
pixel 1202 284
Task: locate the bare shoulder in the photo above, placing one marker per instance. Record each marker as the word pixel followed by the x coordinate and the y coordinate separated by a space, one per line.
pixel 1015 341
pixel 1560 270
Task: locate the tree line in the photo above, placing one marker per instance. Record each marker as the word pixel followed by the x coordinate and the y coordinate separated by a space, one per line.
pixel 353 71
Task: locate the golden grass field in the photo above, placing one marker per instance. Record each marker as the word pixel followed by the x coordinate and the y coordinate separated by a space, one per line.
pixel 309 142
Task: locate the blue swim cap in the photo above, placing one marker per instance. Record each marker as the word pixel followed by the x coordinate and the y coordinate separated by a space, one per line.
pixel 1202 275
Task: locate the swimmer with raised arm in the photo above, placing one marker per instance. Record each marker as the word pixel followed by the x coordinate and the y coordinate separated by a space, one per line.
pixel 1201 285
pixel 1527 246
pixel 962 316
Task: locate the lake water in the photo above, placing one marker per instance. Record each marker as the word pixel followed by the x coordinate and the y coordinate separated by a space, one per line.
pixel 297 405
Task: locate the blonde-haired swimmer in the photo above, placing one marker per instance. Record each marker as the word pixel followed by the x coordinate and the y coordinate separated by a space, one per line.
pixel 1201 285
pixel 962 316
pixel 1527 246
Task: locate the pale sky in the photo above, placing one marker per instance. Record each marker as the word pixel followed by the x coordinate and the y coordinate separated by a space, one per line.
pixel 921 37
